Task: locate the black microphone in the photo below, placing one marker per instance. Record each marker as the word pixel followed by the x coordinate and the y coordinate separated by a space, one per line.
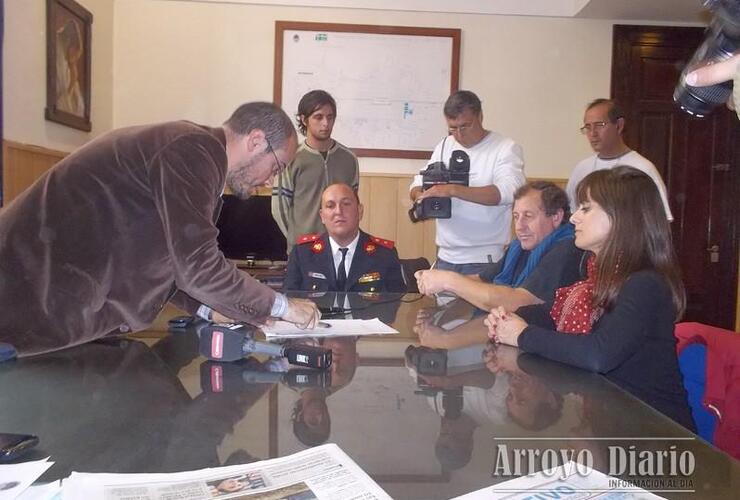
pixel 297 378
pixel 223 377
pixel 232 341
pixel 301 378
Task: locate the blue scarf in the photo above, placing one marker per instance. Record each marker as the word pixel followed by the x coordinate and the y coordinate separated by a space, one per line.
pixel 506 276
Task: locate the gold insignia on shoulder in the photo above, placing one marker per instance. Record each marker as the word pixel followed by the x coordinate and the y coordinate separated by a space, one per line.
pixel 317 247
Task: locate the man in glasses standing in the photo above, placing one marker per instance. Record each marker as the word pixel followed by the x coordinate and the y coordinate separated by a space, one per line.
pixel 480 227
pixel 603 124
pixel 104 239
pixel 319 162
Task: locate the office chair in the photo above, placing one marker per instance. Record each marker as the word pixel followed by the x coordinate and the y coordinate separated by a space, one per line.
pixel 709 360
pixel 408 268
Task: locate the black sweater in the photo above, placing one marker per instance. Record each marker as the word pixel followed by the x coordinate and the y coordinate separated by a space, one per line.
pixel 632 344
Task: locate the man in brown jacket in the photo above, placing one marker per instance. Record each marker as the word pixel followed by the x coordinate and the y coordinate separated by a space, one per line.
pixel 126 223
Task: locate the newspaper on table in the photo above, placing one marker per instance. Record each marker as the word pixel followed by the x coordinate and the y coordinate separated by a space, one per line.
pixel 572 481
pixel 337 328
pixel 323 472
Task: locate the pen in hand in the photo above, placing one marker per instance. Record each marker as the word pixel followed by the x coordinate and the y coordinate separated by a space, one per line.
pixel 323 324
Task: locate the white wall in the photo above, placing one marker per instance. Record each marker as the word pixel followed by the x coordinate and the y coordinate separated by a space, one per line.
pixel 161 60
pixel 24 76
pixel 200 60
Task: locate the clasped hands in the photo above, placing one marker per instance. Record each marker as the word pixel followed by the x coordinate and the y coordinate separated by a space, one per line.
pixel 504 327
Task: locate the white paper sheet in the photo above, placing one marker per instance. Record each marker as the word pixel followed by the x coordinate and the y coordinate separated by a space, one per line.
pixel 48 491
pixel 338 328
pixel 15 478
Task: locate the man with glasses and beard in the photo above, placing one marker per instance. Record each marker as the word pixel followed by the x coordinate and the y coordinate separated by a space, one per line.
pixel 603 124
pixel 103 240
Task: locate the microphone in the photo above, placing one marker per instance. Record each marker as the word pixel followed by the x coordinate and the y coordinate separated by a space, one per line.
pixel 223 377
pixel 232 341
pixel 297 378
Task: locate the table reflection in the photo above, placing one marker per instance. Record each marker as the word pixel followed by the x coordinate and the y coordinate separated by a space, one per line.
pixel 426 413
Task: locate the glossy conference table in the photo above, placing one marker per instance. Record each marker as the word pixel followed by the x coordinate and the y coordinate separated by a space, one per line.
pixel 423 423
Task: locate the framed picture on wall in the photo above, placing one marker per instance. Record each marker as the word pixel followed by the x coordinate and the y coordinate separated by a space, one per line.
pixel 68 63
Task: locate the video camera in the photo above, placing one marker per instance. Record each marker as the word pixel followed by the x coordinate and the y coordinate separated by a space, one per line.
pixel 427 360
pixel 438 173
pixel 721 41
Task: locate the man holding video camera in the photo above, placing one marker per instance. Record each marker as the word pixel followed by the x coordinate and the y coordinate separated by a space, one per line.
pixel 478 227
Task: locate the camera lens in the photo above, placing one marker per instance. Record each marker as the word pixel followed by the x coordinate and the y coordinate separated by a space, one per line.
pixel 721 41
pixel 700 101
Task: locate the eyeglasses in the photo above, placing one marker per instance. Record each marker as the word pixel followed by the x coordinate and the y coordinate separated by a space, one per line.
pixel 595 126
pixel 279 166
pixel 459 129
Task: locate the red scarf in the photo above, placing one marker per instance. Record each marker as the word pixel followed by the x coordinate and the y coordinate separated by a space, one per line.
pixel 572 311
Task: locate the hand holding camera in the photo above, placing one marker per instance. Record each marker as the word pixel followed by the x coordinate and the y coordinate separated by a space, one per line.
pixel 705 82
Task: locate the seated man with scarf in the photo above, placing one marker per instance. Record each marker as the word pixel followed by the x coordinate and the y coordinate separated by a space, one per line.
pixel 542 259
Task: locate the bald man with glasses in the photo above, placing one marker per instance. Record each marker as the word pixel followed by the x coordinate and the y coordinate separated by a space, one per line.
pixel 603 124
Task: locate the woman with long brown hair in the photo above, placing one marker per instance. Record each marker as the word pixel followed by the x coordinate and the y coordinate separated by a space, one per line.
pixel 619 320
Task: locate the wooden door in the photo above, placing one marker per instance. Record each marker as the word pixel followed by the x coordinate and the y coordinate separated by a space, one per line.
pixel 2 31
pixel 698 159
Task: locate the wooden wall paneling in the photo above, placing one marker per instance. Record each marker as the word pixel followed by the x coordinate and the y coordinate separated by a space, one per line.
pixel 23 164
pixel 409 236
pixel 386 201
pixel 384 194
pixel 12 173
pixel 364 194
pixel 430 245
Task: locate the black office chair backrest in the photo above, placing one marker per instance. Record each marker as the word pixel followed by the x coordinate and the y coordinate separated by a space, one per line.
pixel 409 267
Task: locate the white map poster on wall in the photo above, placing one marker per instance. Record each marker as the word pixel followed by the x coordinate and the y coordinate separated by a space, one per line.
pixel 390 89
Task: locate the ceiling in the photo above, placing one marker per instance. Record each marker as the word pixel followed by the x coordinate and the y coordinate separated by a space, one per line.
pixel 689 11
pixel 678 11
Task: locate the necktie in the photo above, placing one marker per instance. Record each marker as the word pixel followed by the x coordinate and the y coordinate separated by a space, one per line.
pixel 341 272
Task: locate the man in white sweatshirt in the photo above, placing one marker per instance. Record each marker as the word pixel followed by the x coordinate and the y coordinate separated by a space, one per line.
pixel 480 227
